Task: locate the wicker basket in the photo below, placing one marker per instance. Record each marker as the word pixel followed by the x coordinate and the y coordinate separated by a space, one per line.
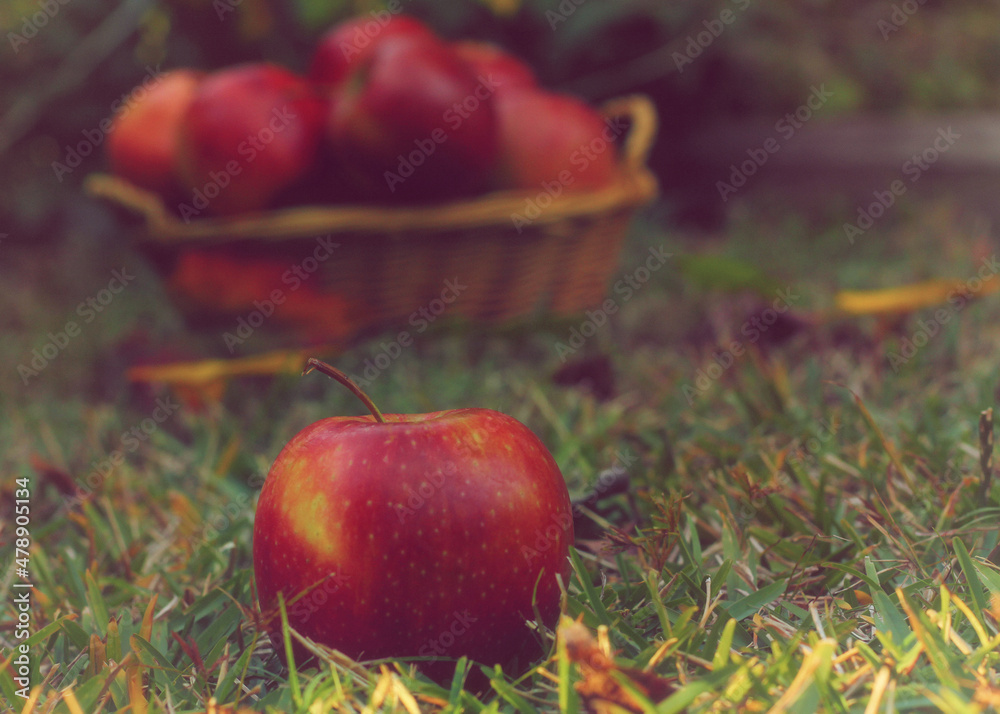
pixel 391 262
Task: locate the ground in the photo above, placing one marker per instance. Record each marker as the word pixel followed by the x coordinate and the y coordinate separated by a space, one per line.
pixel 806 524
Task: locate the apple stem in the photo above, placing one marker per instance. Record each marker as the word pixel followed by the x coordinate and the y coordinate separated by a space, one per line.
pixel 330 371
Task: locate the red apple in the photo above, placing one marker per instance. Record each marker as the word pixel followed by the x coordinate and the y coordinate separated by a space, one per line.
pixel 344 46
pixel 409 535
pixel 413 122
pixel 553 142
pixel 249 133
pixel 142 142
pixel 489 60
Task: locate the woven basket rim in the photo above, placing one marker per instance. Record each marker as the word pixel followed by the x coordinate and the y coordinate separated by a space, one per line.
pixel 635 186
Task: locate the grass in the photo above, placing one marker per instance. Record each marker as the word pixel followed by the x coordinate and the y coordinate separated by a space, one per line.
pixel 808 532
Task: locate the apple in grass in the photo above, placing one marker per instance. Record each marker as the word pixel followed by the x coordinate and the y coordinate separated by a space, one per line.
pixel 412 122
pixel 250 133
pixel 414 535
pixel 142 141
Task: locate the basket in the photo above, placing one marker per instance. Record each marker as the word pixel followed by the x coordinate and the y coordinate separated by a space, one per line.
pixel 491 259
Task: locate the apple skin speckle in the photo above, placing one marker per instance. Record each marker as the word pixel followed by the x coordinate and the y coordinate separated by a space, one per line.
pixel 449 547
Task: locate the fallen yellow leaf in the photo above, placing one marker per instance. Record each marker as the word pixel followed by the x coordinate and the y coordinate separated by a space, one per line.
pixel 203 372
pixel 908 298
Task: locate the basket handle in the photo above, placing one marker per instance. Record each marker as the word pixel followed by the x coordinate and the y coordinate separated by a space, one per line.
pixel 639 109
pixel 138 200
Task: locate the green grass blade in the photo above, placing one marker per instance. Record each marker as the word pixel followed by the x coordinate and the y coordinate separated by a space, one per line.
pixel 511 695
pixel 889 619
pixel 236 671
pixel 293 676
pixel 568 701
pixel 990 577
pixel 746 606
pixel 98 607
pixel 591 596
pixel 681 699
pixel 976 587
pixel 7 687
pixel 721 657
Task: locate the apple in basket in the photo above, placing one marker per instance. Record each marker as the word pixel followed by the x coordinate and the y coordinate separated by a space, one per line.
pixel 553 142
pixel 501 68
pixel 413 122
pixel 433 535
pixel 344 46
pixel 251 131
pixel 142 140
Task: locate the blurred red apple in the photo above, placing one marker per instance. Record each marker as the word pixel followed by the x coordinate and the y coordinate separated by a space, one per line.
pixel 489 60
pixel 554 142
pixel 414 535
pixel 142 142
pixel 413 122
pixel 344 46
pixel 250 132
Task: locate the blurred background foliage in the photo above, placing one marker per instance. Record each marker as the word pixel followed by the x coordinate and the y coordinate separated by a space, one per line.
pixel 62 66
